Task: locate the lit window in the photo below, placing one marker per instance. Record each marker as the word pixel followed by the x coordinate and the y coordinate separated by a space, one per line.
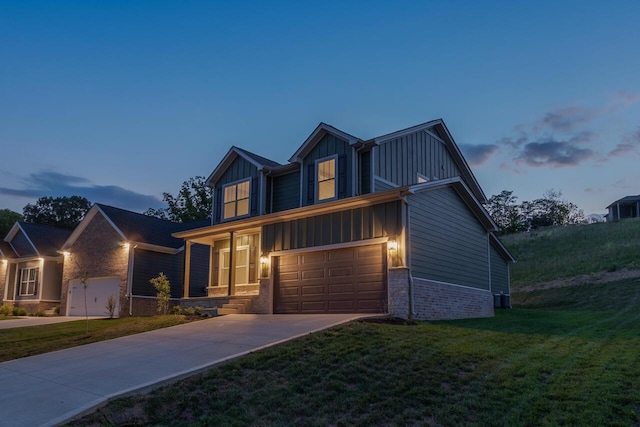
pixel 242 266
pixel 327 179
pixel 29 280
pixel 236 200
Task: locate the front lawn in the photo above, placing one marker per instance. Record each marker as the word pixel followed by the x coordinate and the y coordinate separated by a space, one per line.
pixel 32 340
pixel 573 363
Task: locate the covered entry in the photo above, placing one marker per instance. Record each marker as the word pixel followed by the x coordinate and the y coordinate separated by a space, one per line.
pixel 345 280
pixel 98 292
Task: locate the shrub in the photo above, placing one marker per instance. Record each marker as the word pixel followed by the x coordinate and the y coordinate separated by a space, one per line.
pixel 19 311
pixel 198 310
pixel 38 314
pixel 189 311
pixel 6 310
pixel 110 305
pixel 163 289
pixel 177 309
pixel 57 310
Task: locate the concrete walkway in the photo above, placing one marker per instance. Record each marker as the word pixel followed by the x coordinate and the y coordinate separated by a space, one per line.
pixel 20 322
pixel 52 388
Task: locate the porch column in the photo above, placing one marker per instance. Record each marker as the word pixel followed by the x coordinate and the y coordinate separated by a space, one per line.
pixel 232 263
pixel 618 208
pixel 187 269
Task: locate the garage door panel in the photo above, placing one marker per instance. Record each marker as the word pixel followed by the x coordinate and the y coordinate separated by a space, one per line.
pixel 339 280
pixel 98 291
pixel 341 289
pixel 313 257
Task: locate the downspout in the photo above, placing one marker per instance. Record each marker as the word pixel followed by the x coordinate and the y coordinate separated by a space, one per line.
pixel 489 260
pixel 407 255
pixel 130 279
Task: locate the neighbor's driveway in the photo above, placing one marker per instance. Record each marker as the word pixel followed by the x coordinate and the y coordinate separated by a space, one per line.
pixel 21 322
pixel 51 388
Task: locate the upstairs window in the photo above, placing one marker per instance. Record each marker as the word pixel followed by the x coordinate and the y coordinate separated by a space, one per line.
pixel 29 281
pixel 236 200
pixel 326 179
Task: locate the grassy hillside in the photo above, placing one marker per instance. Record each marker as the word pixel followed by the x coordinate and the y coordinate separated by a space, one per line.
pixel 569 359
pixel 562 252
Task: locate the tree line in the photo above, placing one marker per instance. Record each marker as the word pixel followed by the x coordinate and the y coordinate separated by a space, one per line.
pixel 550 209
pixel 191 203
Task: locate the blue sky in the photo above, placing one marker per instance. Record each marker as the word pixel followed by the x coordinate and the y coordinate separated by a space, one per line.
pixel 121 101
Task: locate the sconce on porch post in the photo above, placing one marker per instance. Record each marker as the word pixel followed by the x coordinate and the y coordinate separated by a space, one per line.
pixel 264 266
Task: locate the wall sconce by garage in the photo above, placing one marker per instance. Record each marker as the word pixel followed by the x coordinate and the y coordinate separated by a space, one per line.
pixel 66 254
pixel 264 266
pixel 4 261
pixel 126 245
pixel 392 245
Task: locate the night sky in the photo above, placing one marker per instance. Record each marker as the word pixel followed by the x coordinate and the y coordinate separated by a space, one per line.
pixel 122 101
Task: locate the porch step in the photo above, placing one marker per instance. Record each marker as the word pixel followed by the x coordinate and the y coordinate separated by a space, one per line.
pixel 236 306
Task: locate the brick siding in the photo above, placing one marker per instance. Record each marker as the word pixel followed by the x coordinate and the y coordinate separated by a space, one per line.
pixel 440 301
pixel 98 251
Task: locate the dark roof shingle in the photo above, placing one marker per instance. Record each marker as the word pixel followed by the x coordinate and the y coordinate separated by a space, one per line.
pixel 47 239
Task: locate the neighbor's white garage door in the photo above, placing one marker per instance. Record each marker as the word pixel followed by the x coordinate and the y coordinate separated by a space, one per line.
pixel 98 291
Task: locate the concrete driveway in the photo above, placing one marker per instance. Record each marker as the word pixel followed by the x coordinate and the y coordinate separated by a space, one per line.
pixel 52 388
pixel 20 322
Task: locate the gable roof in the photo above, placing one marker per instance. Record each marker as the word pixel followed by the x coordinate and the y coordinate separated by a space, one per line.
pixel 443 134
pixel 44 239
pixel 234 152
pixel 137 228
pixel 6 251
pixel 320 131
pixel 627 199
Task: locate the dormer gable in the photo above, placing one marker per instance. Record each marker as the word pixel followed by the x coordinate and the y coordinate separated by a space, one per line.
pixel 239 185
pixel 318 135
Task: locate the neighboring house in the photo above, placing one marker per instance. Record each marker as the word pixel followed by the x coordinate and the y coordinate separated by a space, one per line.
pixel 116 252
pixel 627 207
pixel 391 224
pixel 31 267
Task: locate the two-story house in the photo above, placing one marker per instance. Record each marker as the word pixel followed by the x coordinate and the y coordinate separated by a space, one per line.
pixel 390 224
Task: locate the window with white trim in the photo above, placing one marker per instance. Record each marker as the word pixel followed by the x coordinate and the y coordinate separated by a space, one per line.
pixel 29 280
pixel 326 184
pixel 236 200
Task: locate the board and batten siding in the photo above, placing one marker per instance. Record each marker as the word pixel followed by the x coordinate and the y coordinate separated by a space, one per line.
pixel 400 160
pixel 499 273
pixel 328 146
pixel 448 244
pixel 51 280
pixel 240 169
pixel 286 191
pixel 381 220
pixel 149 264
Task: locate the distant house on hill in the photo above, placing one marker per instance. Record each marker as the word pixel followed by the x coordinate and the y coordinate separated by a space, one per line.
pixel 627 207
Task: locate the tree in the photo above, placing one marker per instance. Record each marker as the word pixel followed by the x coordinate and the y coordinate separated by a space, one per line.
pixel 552 210
pixel 163 289
pixel 505 212
pixel 65 212
pixel 192 203
pixel 7 219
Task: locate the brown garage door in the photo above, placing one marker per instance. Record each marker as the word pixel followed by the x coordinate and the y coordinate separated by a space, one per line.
pixel 348 280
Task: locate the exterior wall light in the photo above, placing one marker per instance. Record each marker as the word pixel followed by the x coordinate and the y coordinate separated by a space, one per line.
pixel 66 254
pixel 264 266
pixel 4 261
pixel 126 245
pixel 392 245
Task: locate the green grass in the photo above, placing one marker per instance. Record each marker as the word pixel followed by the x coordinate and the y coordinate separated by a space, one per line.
pixel 32 340
pixel 562 252
pixel 564 358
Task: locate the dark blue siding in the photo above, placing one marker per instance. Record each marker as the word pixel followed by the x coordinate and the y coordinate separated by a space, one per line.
pixel 21 245
pixel 286 192
pixel 382 220
pixel 328 146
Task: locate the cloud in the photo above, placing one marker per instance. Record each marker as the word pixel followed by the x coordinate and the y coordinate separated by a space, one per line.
pixel 53 184
pixel 630 145
pixel 554 154
pixel 566 119
pixel 477 155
